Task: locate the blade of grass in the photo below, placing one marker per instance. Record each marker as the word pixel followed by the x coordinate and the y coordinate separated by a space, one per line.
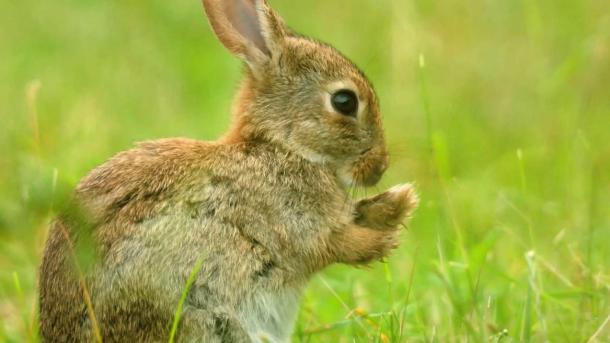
pixel 343 303
pixel 343 323
pixel 83 284
pixel 425 100
pixel 32 91
pixel 20 296
pixel 189 283
pixel 522 171
pixel 599 330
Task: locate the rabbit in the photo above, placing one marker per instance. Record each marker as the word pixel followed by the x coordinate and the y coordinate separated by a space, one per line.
pixel 265 207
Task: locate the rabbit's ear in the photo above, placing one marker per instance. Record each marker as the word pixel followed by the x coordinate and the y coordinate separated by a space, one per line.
pixel 250 29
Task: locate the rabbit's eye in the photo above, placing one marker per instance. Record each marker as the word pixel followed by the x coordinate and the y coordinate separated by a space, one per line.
pixel 345 102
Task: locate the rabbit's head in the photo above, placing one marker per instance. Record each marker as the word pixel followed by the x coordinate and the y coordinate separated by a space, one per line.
pixel 300 93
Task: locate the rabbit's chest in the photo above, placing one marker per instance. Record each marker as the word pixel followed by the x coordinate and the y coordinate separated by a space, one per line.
pixel 270 316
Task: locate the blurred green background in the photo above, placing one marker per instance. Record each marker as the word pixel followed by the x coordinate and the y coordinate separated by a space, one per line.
pixel 498 110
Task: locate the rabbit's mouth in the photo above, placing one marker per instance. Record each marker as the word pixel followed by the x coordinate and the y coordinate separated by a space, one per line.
pixel 368 168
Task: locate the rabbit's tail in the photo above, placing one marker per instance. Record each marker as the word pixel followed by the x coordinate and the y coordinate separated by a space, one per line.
pixel 63 310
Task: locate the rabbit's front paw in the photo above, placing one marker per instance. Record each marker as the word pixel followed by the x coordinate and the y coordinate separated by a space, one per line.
pixel 387 210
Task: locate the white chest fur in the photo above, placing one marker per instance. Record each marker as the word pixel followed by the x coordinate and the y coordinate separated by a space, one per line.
pixel 270 316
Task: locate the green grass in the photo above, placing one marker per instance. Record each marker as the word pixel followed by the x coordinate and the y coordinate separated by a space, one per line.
pixel 498 110
pixel 189 283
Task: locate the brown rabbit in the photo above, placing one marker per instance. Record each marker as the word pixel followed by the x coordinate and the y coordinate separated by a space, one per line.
pixel 266 206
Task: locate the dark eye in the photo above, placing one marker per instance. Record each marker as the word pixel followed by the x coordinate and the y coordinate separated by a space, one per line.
pixel 345 102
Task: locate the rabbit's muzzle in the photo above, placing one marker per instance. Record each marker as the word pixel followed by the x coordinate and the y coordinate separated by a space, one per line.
pixel 370 166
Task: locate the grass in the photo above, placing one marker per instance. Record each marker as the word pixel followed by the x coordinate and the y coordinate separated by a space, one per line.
pixel 189 283
pixel 499 110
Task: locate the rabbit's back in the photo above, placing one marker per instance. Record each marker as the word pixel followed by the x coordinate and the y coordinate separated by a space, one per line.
pixel 156 209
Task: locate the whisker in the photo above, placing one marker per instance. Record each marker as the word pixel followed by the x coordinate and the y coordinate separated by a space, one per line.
pixel 356 186
pixel 346 199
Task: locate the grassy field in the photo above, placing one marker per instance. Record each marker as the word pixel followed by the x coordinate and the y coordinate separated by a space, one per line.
pixel 498 110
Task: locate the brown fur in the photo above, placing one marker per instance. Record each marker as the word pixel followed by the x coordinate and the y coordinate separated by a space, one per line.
pixel 265 206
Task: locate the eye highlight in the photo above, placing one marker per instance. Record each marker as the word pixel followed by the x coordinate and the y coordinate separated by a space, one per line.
pixel 345 102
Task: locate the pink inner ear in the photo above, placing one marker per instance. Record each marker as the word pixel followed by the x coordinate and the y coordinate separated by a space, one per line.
pixel 242 14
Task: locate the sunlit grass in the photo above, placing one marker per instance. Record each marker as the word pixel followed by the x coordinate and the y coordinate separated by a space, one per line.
pixel 498 110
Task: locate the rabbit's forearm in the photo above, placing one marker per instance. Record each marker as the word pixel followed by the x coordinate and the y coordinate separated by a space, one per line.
pixel 374 232
pixel 361 245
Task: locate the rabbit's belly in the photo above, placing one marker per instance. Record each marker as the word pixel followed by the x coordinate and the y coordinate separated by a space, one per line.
pixel 270 316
